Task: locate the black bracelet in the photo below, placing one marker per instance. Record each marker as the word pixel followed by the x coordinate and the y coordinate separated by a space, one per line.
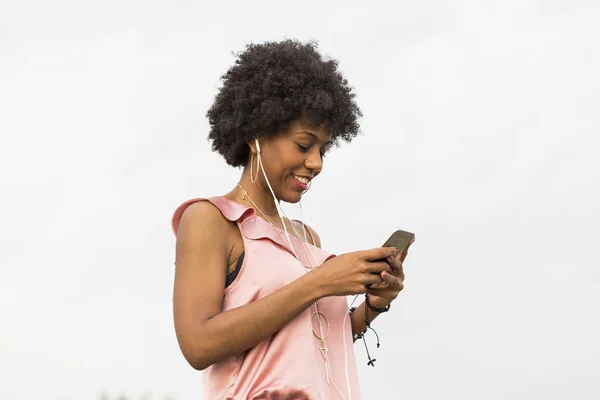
pixel 375 309
pixel 361 335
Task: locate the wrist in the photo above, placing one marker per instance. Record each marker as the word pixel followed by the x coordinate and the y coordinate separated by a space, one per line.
pixel 316 287
pixel 378 302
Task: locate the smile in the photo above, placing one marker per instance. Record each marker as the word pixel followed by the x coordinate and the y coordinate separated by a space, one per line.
pixel 302 179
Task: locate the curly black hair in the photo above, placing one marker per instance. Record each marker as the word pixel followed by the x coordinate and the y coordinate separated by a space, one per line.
pixel 273 84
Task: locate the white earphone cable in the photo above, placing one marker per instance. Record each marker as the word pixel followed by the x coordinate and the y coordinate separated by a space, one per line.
pixel 281 214
pixel 345 316
pixel 277 205
pixel 316 263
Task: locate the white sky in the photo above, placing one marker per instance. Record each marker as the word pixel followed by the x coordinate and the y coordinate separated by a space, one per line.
pixel 480 134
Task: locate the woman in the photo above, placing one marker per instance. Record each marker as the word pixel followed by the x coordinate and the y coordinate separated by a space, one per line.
pixel 257 304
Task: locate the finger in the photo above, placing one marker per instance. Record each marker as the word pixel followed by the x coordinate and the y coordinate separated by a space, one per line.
pixel 396 265
pixel 379 253
pixel 376 267
pixel 390 280
pixel 404 252
pixel 384 275
pixel 384 283
pixel 390 283
pixel 372 279
pixel 379 286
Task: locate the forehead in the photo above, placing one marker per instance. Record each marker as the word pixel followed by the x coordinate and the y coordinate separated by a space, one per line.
pixel 301 127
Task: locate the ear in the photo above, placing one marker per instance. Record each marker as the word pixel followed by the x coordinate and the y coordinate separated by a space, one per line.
pixel 252 145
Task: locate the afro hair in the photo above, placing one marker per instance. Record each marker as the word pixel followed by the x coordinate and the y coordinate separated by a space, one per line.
pixel 273 84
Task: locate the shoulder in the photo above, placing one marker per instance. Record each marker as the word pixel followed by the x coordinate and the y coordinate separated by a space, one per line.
pixel 202 222
pixel 201 214
pixel 313 237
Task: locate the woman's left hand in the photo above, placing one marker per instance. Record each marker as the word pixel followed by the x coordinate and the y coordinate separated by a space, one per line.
pixel 393 282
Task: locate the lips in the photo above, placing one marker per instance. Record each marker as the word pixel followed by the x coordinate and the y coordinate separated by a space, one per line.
pixel 302 182
pixel 302 179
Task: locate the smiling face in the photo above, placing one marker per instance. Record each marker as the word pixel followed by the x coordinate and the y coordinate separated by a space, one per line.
pixel 293 158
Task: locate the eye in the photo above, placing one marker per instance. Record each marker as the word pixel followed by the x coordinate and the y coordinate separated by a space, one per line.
pixel 302 148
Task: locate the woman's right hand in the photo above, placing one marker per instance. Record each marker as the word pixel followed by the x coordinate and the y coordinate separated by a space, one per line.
pixel 352 273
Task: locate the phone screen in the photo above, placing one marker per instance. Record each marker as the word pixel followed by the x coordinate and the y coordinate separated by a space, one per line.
pixel 399 239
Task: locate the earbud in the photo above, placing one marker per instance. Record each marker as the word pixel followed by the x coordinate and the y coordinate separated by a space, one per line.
pixel 257 146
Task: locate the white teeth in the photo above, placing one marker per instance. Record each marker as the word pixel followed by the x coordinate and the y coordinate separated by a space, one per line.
pixel 301 179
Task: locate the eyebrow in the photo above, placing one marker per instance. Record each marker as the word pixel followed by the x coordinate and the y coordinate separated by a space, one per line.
pixel 313 135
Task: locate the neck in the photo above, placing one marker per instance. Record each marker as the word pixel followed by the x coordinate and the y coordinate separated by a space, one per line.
pixel 259 193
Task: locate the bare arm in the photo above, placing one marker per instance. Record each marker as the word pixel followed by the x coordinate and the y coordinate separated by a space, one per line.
pixel 206 334
pixel 358 318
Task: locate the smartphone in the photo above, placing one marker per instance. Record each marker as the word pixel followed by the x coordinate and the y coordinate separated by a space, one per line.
pixel 399 239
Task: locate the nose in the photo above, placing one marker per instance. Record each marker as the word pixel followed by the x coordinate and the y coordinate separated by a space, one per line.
pixel 314 162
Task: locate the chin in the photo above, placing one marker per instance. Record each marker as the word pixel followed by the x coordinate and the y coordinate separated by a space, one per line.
pixel 291 197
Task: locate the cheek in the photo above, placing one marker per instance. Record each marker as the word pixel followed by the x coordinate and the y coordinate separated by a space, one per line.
pixel 289 161
pixel 274 165
pixel 281 160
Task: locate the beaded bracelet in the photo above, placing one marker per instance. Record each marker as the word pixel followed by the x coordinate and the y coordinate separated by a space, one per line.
pixel 375 309
pixel 361 335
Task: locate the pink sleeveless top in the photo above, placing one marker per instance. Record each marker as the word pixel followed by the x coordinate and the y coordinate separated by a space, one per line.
pixel 288 364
